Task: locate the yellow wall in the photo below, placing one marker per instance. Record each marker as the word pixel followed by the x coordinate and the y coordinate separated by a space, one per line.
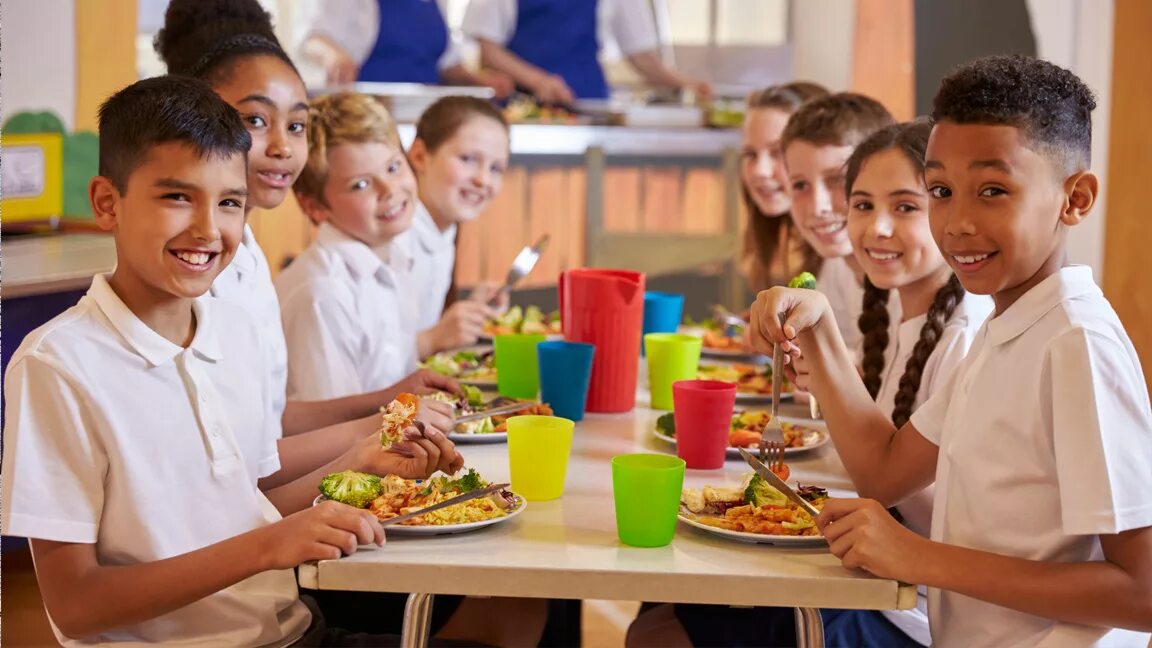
pixel 105 54
pixel 1128 227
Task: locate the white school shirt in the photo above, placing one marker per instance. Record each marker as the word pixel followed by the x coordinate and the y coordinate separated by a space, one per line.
pixel 845 295
pixel 247 282
pixel 1045 437
pixel 433 254
pixel 628 22
pixel 355 26
pixel 349 317
pixel 955 339
pixel 119 438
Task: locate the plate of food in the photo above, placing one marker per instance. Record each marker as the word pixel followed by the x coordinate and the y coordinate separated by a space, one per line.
pixel 745 433
pixel 721 336
pixel 486 429
pixel 470 366
pixel 753 512
pixel 753 382
pixel 391 496
pixel 523 320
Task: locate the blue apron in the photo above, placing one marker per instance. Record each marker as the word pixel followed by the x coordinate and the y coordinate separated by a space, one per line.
pixel 560 36
pixel 412 38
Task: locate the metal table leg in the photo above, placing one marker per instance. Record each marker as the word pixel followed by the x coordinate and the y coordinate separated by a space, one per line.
pixel 809 628
pixel 418 621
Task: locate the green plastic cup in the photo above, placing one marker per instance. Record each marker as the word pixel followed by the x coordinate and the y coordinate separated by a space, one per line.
pixel 671 357
pixel 646 488
pixel 517 367
pixel 538 449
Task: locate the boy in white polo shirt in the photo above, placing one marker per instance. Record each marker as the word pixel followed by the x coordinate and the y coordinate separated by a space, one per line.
pixel 348 306
pixel 1041 442
pixel 140 420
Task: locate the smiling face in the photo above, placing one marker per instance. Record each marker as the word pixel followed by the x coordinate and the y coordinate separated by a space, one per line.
pixel 816 184
pixel 177 223
pixel 460 178
pixel 273 104
pixel 888 223
pixel 998 208
pixel 762 161
pixel 370 191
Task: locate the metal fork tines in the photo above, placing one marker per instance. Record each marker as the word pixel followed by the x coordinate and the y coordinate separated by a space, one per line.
pixel 777 384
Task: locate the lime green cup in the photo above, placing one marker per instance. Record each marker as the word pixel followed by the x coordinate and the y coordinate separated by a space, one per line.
pixel 517 367
pixel 538 448
pixel 671 357
pixel 646 488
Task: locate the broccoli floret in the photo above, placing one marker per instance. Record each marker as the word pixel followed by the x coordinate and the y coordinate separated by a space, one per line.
pixel 667 424
pixel 803 280
pixel 351 488
pixel 760 492
pixel 474 396
pixel 466 483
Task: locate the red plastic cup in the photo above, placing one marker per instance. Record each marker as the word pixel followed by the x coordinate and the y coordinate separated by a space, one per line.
pixel 703 413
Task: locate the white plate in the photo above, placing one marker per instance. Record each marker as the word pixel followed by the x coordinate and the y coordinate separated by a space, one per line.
pixel 757 538
pixel 487 437
pixel 446 529
pixel 734 453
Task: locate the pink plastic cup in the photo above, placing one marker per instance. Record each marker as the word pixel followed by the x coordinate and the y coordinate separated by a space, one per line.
pixel 702 410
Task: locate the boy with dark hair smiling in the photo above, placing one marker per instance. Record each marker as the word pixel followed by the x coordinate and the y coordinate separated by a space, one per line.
pixel 140 420
pixel 1041 443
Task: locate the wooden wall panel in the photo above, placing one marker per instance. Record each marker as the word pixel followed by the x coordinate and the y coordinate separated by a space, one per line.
pixel 622 199
pixel 662 200
pixel 105 54
pixel 1128 227
pixel 548 195
pixel 883 54
pixel 283 232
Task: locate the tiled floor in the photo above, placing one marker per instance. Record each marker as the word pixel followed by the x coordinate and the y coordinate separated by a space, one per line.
pixel 25 624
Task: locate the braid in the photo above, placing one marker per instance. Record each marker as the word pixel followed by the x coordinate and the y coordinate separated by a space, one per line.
pixel 873 324
pixel 943 306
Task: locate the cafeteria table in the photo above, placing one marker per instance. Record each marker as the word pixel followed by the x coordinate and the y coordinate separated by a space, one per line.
pixel 568 548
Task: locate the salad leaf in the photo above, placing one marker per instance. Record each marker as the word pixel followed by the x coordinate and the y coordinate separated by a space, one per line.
pixel 473 394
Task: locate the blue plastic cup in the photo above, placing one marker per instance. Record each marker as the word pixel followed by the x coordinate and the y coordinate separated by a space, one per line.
pixel 662 314
pixel 565 368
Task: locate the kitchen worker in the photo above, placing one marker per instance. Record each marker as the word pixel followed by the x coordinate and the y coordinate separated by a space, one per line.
pixel 551 47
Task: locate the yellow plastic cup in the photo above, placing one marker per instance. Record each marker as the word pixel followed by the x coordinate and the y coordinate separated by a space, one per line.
pixel 538 449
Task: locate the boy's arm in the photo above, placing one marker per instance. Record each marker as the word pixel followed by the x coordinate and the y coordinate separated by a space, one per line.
pixel 335 414
pixel 885 463
pixel 85 598
pixel 1114 592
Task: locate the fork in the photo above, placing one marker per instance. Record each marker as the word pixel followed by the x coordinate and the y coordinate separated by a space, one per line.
pixel 777 383
pixel 775 461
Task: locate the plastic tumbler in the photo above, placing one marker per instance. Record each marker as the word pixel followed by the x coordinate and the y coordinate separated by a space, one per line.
pixel 671 357
pixel 662 313
pixel 565 368
pixel 538 448
pixel 703 415
pixel 517 370
pixel 646 489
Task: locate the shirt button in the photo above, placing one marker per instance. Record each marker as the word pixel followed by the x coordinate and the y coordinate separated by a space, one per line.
pixel 204 398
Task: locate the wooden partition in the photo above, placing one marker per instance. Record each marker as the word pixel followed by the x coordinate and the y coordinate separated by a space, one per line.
pixel 883 54
pixel 1129 228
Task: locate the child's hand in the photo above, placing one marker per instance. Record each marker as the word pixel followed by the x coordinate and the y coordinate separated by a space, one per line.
pixel 422 382
pixel 863 535
pixel 804 309
pixel 422 453
pixel 488 292
pixel 461 325
pixel 436 415
pixel 322 532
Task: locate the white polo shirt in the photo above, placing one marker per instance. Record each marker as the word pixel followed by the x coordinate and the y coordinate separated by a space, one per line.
pixel 955 339
pixel 117 437
pixel 845 295
pixel 433 254
pixel 349 317
pixel 628 22
pixel 247 282
pixel 1045 436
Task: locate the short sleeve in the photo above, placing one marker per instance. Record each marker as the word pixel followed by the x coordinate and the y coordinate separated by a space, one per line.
pixel 54 465
pixel 352 24
pixel 1101 433
pixel 928 419
pixel 491 20
pixel 633 26
pixel 323 337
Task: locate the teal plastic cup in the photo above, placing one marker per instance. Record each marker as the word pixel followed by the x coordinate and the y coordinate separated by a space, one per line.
pixel 646 489
pixel 517 366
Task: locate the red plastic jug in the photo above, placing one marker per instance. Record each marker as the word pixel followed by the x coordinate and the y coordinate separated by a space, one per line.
pixel 605 308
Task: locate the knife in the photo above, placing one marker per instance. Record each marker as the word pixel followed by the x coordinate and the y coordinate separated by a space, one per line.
pixel 503 409
pixel 778 483
pixel 448 502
